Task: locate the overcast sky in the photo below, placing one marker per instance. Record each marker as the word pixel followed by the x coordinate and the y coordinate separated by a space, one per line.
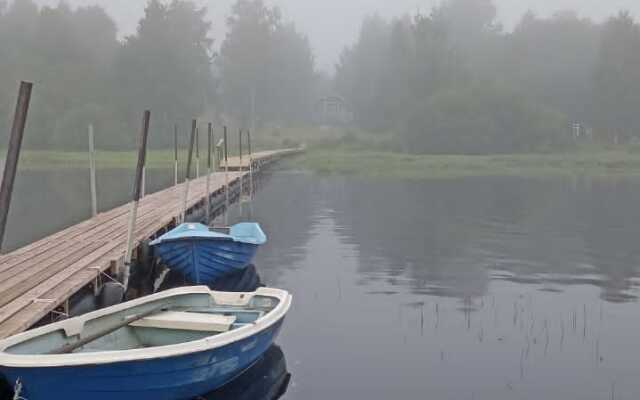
pixel 331 24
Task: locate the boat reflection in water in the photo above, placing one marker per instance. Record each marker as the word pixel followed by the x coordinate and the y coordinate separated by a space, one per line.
pixel 267 379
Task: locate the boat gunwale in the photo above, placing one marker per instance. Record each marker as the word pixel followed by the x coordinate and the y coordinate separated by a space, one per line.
pixel 250 240
pixel 144 354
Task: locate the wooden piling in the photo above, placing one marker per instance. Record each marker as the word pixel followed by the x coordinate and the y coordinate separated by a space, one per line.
pixel 13 154
pixel 137 192
pixel 240 151
pixel 175 155
pixel 209 165
pixel 197 153
pixel 194 128
pixel 143 185
pixel 226 179
pixel 92 172
pixel 250 165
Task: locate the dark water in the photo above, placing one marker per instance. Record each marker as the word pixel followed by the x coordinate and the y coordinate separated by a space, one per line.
pixel 483 288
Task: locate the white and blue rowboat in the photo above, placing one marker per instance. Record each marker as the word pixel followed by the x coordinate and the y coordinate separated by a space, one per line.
pixel 173 345
pixel 203 255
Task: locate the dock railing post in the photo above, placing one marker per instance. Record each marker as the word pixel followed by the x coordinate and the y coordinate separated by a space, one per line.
pixel 92 172
pixel 13 154
pixel 209 165
pixel 137 191
pixel 226 179
pixel 175 155
pixel 185 195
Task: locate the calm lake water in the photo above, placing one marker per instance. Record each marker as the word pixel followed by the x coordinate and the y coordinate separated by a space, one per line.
pixel 479 288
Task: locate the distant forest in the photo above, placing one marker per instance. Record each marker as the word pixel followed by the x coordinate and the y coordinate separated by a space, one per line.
pixel 455 81
pixel 449 81
pixel 84 74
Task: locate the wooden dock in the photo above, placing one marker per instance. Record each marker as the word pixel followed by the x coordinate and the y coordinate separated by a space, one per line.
pixel 39 278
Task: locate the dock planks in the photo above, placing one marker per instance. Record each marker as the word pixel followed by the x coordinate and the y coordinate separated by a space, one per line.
pixel 42 276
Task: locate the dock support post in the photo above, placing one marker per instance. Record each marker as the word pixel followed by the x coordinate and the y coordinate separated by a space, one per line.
pixel 175 155
pixel 250 165
pixel 144 182
pixel 241 168
pixel 92 171
pixel 209 164
pixel 226 179
pixel 137 191
pixel 185 195
pixel 13 154
pixel 197 153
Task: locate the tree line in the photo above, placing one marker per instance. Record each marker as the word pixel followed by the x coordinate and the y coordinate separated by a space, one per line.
pixel 85 74
pixel 455 81
pixel 449 81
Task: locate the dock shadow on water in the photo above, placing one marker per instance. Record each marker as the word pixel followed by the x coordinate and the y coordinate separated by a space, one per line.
pixel 472 288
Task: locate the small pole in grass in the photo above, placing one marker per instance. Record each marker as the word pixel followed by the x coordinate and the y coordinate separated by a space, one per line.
pixel 185 197
pixel 226 179
pixel 137 192
pixel 209 165
pixel 13 153
pixel 175 155
pixel 92 172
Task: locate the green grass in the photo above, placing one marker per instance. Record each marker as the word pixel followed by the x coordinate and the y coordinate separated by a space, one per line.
pixel 39 160
pixel 379 164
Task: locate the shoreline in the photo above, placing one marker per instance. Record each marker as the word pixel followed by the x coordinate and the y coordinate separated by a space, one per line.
pixel 376 164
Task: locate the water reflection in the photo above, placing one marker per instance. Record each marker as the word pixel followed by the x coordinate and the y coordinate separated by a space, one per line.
pixel 458 235
pixel 267 379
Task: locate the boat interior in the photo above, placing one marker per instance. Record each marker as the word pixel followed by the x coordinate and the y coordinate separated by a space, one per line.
pixel 165 322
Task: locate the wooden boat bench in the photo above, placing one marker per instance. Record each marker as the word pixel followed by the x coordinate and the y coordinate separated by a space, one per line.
pixel 187 321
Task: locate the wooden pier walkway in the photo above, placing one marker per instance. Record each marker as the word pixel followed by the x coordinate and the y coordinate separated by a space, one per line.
pixel 40 278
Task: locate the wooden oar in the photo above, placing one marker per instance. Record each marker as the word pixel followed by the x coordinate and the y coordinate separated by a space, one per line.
pixel 69 348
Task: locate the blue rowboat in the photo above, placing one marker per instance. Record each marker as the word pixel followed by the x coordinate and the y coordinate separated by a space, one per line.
pixel 203 255
pixel 173 345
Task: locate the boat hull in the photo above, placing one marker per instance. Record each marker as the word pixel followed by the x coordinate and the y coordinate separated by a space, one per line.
pixel 173 378
pixel 203 261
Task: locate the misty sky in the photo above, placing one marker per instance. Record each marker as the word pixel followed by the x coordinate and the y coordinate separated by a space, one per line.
pixel 331 24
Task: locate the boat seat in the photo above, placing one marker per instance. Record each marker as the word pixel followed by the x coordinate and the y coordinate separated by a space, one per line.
pixel 187 321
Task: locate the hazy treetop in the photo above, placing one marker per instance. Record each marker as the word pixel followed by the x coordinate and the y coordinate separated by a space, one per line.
pixel 331 24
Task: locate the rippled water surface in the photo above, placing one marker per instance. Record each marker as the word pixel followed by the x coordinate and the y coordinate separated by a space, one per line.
pixel 482 288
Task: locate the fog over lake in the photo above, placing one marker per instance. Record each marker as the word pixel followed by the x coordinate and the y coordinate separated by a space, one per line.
pixel 328 39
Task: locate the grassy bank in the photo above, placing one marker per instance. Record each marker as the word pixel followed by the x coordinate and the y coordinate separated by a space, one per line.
pixel 378 164
pixel 39 160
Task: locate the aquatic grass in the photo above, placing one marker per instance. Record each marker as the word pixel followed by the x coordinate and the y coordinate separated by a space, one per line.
pixel 380 164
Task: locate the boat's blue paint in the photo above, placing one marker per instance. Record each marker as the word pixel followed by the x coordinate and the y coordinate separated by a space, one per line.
pixel 174 378
pixel 203 255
